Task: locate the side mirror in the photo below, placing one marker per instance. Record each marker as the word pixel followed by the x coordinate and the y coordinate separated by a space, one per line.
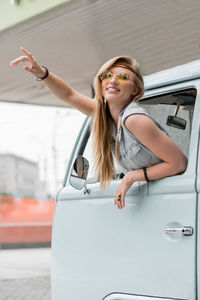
pixel 79 172
pixel 176 122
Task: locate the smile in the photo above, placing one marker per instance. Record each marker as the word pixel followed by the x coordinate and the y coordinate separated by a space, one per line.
pixel 112 89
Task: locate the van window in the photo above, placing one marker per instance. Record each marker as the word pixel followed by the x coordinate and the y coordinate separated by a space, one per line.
pixel 89 154
pixel 159 107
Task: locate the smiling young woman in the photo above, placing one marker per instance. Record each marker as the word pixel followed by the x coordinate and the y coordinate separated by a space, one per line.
pixel 113 92
pixel 120 126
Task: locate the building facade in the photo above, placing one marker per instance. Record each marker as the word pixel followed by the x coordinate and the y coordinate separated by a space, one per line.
pixel 18 176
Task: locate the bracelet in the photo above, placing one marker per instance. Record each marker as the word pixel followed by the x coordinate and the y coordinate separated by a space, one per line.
pixel 145 174
pixel 45 76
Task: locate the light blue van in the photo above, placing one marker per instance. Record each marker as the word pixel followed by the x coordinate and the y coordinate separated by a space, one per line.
pixel 150 249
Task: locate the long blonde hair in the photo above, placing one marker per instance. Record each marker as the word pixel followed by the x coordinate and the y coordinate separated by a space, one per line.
pixel 102 125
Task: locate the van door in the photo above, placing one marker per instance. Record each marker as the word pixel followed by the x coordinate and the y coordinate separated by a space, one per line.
pixel 100 251
pixel 198 211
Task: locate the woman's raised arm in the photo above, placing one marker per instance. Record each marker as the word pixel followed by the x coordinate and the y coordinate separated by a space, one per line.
pixel 56 85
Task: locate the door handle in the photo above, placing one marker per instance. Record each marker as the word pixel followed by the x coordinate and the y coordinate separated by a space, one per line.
pixel 186 230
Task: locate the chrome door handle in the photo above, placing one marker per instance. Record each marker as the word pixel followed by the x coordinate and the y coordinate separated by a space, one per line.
pixel 186 230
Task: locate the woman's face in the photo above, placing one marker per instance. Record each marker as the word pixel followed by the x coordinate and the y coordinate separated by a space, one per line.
pixel 118 85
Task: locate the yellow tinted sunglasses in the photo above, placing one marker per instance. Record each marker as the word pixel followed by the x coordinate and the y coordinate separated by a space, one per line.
pixel 120 76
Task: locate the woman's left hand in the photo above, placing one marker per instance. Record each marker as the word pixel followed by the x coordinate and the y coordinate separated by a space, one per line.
pixel 120 194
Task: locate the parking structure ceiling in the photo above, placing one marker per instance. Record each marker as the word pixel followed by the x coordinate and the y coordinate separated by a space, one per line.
pixel 76 38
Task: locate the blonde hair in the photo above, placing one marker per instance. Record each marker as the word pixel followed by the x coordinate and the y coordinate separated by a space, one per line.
pixel 102 126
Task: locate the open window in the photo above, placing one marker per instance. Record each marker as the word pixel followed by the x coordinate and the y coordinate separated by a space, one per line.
pixel 163 106
pixel 160 107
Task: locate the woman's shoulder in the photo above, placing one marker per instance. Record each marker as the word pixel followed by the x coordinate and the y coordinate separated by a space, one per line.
pixel 140 125
pixel 134 115
pixel 133 108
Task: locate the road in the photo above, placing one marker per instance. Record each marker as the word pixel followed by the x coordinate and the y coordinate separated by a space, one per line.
pixel 25 274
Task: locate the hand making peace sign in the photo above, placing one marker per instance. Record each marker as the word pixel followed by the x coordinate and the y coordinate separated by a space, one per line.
pixel 31 66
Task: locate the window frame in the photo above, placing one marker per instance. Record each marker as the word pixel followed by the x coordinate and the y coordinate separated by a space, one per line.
pixel 84 133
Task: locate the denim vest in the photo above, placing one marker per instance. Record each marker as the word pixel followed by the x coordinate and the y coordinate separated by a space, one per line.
pixel 133 154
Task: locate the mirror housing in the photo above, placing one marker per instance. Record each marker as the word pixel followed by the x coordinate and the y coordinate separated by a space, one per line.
pixel 79 172
pixel 176 122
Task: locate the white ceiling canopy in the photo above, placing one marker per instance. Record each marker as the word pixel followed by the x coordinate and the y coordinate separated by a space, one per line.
pixel 74 39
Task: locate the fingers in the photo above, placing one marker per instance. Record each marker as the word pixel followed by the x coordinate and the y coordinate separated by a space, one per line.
pixel 16 61
pixel 24 58
pixel 26 52
pixel 119 203
pixel 123 201
pixel 119 200
pixel 29 69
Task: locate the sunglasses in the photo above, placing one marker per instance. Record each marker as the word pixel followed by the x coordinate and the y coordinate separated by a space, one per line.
pixel 120 77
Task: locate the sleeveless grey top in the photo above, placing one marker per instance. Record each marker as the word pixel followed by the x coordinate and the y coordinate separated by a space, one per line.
pixel 133 154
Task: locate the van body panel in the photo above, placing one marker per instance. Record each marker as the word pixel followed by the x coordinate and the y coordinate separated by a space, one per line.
pixel 198 212
pixel 100 252
pixel 99 243
pixel 168 77
pixel 198 230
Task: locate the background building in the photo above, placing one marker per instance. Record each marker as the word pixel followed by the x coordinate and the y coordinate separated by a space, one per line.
pixel 18 176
